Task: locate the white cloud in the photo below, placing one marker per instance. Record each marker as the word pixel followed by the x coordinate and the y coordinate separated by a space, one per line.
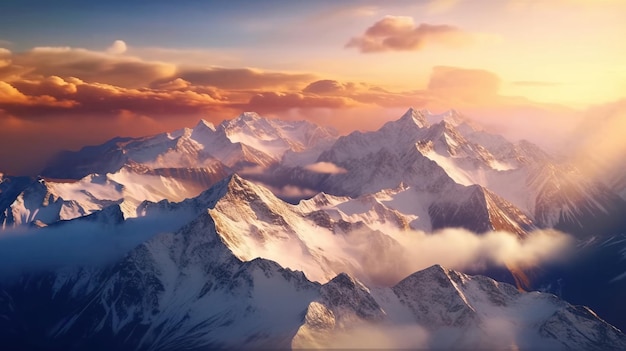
pixel 118 47
pixel 5 57
pixel 325 167
pixel 457 249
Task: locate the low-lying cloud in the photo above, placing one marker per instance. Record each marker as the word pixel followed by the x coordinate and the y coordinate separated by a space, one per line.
pixel 385 260
pixel 77 243
pixel 325 168
pixel 291 192
pixel 512 332
pixel 367 336
pixel 381 258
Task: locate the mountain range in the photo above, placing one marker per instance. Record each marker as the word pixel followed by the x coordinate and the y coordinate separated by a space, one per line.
pixel 513 186
pixel 262 233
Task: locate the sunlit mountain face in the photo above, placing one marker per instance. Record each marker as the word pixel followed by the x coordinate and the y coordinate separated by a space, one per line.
pixel 287 175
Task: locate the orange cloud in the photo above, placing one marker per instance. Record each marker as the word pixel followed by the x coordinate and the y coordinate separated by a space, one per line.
pixel 80 104
pixel 97 98
pixel 89 66
pixel 244 78
pixel 10 96
pixel 175 84
pixel 87 81
pixel 273 101
pixel 399 33
pixel 328 86
pixel 364 93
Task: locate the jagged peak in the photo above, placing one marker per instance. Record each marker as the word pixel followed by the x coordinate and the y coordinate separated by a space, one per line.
pixel 463 193
pixel 248 116
pixel 345 280
pixel 416 117
pixel 435 269
pixel 231 179
pixel 324 199
pixel 443 125
pixel 435 273
pixel 204 124
pixel 209 197
pixel 254 124
pixel 451 116
pixel 235 180
pixel 444 131
pixel 383 193
pixel 228 181
pixel 262 264
pixel 236 187
pixel 110 215
pixel 230 187
pixel 248 119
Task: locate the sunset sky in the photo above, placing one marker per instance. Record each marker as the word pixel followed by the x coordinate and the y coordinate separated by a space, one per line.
pixel 79 72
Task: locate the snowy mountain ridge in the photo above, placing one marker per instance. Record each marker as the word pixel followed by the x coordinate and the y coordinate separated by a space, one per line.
pixel 196 287
pixel 436 153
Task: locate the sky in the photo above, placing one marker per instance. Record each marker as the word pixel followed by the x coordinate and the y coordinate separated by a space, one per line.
pixel 75 73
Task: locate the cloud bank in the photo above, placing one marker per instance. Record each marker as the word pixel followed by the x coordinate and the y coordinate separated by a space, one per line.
pixel 459 249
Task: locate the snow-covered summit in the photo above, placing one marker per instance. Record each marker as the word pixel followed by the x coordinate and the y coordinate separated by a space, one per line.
pixel 204 124
pixel 417 117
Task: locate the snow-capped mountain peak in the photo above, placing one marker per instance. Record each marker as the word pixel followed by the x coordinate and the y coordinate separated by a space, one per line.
pixel 204 124
pixel 248 116
pixel 417 117
pixel 451 116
